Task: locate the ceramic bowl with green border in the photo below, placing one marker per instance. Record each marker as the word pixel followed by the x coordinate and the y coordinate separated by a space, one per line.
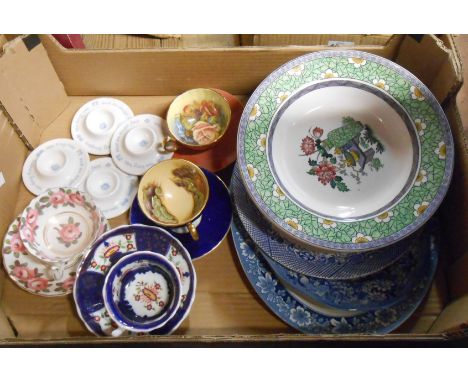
pixel 345 151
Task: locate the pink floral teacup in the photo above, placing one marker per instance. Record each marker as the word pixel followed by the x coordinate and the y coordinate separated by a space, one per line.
pixel 59 226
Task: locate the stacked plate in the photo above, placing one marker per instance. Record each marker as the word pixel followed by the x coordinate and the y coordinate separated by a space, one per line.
pixel 343 157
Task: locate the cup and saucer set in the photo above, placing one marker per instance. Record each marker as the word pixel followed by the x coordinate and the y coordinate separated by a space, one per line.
pixel 136 278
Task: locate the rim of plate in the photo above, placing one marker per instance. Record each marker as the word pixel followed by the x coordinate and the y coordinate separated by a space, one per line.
pixel 316 240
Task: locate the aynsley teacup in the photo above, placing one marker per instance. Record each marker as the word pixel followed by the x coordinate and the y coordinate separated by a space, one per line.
pixel 59 225
pixel 142 292
pixel 197 119
pixel 173 193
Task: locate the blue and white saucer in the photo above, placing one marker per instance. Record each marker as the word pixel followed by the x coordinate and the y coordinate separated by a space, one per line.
pixel 110 248
pixel 331 266
pixel 215 220
pixel 298 315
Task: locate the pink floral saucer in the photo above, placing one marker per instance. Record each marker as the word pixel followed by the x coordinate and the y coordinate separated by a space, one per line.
pixel 28 272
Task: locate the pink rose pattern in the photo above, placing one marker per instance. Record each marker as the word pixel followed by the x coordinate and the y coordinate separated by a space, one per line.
pixel 26 273
pixel 77 199
pixel 69 233
pixel 58 197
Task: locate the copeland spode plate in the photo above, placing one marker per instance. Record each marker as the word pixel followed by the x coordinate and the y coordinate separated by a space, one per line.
pixel 284 305
pixel 345 150
pixel 314 263
pixel 56 163
pixel 137 144
pixel 212 227
pixel 377 291
pixel 28 272
pixel 112 190
pixel 96 121
pixel 111 247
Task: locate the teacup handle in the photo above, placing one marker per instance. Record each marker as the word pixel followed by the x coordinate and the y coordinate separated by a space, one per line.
pixel 57 271
pixel 169 144
pixel 193 231
pixel 117 332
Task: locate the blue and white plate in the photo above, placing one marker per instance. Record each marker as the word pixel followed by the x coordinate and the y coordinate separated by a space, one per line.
pixel 215 220
pixel 110 248
pixel 331 266
pixel 301 317
pixel 377 291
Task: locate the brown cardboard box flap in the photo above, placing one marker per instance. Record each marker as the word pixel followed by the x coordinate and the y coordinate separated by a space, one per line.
pixel 437 66
pixel 140 72
pixel 314 39
pixel 30 90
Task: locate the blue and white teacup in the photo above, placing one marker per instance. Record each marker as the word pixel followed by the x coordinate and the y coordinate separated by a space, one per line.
pixel 142 292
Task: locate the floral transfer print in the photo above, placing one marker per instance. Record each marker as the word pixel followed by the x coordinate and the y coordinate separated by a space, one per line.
pixel 347 151
pixel 149 295
pixel 416 93
pixel 381 84
pixel 28 272
pixel 176 258
pixel 102 318
pixel 361 238
pixel 357 61
pixel 118 244
pixel 200 123
pixel 441 150
pixel 384 217
pixel 69 233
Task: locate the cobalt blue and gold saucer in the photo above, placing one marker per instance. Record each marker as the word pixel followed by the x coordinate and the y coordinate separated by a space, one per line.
pixel 214 224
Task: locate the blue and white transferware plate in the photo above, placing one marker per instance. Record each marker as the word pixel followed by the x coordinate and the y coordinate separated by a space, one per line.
pixel 377 291
pixel 110 248
pixel 112 190
pixel 331 266
pixel 96 121
pixel 301 317
pixel 214 224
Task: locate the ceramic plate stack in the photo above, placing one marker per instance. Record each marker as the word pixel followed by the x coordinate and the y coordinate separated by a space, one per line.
pixel 343 157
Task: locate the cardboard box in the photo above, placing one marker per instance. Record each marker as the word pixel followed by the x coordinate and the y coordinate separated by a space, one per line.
pixel 43 85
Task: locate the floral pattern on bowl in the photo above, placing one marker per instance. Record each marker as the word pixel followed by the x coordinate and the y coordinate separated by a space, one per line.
pixel 28 272
pixel 60 225
pixel 198 118
pixel 344 153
